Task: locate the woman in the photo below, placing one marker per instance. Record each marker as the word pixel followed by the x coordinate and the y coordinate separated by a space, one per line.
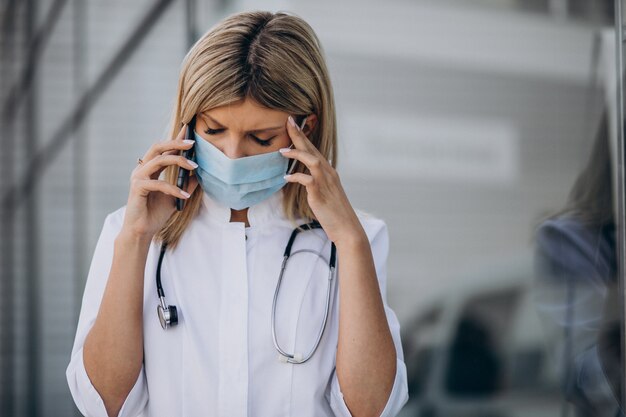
pixel 577 287
pixel 242 84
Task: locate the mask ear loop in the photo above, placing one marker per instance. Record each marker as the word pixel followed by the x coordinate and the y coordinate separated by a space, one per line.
pixel 293 163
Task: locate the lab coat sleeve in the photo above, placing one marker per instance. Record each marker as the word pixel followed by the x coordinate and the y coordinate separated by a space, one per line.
pixel 85 396
pixel 379 242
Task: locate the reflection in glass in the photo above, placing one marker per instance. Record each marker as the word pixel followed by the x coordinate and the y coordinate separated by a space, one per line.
pixel 479 351
pixel 576 289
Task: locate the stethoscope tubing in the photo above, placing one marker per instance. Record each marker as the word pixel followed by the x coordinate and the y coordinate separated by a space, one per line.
pixel 289 357
pixel 168 315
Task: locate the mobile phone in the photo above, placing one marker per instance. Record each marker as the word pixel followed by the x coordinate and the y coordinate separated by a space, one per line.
pixel 182 179
pixel 293 163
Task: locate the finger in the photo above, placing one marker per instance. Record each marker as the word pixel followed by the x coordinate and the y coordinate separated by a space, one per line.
pixel 313 163
pixel 181 133
pixel 298 138
pixel 146 186
pixel 153 168
pixel 193 184
pixel 172 152
pixel 167 147
pixel 300 178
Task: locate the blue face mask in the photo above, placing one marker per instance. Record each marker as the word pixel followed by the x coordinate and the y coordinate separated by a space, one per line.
pixel 242 182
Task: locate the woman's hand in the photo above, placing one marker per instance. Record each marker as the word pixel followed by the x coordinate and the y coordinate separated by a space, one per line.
pixel 325 194
pixel 151 201
pixel 366 355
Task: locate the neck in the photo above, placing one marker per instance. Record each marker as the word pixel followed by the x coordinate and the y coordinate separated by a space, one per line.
pixel 239 216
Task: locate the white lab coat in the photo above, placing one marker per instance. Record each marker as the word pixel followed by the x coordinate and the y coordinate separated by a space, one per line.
pixel 220 359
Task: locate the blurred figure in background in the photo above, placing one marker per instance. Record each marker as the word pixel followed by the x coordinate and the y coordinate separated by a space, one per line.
pixel 576 288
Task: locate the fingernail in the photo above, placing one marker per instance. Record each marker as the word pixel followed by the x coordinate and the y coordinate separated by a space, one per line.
pixel 185 193
pixel 286 177
pixel 291 121
pixel 189 141
pixel 193 164
pixel 283 150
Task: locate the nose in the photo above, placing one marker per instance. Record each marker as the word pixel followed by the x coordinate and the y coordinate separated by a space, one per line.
pixel 233 148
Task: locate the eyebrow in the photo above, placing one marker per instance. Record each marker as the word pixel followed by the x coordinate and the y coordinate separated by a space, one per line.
pixel 250 131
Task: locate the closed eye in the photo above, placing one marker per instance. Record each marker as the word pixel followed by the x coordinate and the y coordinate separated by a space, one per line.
pixel 210 131
pixel 262 142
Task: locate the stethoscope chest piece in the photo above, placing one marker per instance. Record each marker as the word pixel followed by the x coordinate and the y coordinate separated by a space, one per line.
pixel 168 315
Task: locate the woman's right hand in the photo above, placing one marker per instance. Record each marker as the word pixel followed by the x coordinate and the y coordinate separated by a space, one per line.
pixel 151 201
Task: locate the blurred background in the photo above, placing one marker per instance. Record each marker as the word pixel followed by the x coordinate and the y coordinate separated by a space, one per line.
pixel 464 124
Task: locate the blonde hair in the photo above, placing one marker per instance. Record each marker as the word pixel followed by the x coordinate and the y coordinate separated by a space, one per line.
pixel 273 58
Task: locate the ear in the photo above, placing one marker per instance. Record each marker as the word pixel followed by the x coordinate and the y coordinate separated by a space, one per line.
pixel 309 126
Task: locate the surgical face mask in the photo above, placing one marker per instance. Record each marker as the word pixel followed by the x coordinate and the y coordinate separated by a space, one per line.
pixel 242 182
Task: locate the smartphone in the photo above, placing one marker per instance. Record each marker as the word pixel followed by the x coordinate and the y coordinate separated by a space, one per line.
pixel 183 174
pixel 293 162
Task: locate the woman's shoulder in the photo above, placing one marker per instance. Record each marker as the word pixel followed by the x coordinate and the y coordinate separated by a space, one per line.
pixel 372 224
pixel 115 219
pixel 567 244
pixel 566 234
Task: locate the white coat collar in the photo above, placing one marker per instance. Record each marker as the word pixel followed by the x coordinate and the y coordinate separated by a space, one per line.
pixel 267 211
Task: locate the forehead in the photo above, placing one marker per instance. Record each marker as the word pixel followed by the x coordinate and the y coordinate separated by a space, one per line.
pixel 245 113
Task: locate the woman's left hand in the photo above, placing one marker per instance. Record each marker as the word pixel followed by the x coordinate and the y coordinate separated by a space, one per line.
pixel 325 195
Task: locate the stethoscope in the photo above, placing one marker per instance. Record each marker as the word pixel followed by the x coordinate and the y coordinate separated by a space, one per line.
pixel 168 314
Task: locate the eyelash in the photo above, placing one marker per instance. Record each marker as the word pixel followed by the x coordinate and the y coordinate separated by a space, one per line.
pixel 261 142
